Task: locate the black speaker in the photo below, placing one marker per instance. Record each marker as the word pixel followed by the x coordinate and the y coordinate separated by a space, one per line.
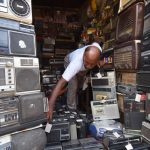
pixel 133 120
pixel 29 140
pixel 31 107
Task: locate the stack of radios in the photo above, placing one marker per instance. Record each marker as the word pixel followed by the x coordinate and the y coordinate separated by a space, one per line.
pixel 21 101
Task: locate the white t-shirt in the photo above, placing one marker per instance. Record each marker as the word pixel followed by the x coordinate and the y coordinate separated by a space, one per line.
pixel 75 63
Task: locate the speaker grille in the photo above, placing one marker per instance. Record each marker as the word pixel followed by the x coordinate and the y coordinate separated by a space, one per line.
pixel 22 44
pixel 2 76
pixel 19 7
pixel 27 79
pixel 31 107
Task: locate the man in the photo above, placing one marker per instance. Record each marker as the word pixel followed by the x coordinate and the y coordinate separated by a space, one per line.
pixel 82 59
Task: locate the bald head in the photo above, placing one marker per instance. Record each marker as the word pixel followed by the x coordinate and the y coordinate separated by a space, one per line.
pixel 91 57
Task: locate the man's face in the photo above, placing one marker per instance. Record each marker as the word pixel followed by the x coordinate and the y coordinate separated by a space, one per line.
pixel 89 63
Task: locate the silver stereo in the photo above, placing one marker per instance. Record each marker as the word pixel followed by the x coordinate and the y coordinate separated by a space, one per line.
pixel 20 10
pixel 102 110
pixel 104 93
pixel 27 75
pixel 7 86
pixel 9 111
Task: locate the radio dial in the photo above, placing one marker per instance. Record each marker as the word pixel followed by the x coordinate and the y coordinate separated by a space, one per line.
pixel 9 64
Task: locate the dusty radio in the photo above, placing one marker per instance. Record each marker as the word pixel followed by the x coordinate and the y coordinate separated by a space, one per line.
pixel 133 28
pixel 7 77
pixel 49 79
pixel 17 38
pixel 16 10
pixel 126 55
pixel 146 42
pixel 143 81
pixel 104 93
pixel 104 110
pixel 145 60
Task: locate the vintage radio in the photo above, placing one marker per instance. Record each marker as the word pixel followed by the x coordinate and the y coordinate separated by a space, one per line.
pixel 91 144
pixel 9 114
pixel 27 75
pixel 127 89
pixel 109 45
pixel 130 23
pixel 145 63
pixel 131 121
pixel 5 142
pixel 146 42
pixel 126 55
pixel 61 52
pixel 16 10
pixel 104 93
pixel 102 110
pixel 60 132
pixel 72 145
pixel 29 139
pixel 49 79
pixel 143 81
pixel 7 79
pixel 17 38
pixel 53 146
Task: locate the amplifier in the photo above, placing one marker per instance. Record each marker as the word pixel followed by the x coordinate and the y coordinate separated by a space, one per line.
pixel 127 55
pixel 16 10
pixel 127 89
pixel 133 28
pixel 145 130
pixel 131 121
pixel 61 52
pixel 9 111
pixel 60 132
pixel 146 42
pixel 29 139
pixel 104 110
pixel 17 38
pixel 7 79
pixel 91 144
pixel 143 81
pixel 104 93
pixel 27 75
pixel 145 60
pixel 53 146
pixel 72 145
pixel 5 142
pixel 49 79
pixel 102 82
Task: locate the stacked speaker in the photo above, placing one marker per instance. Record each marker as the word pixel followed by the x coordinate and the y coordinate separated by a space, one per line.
pixel 22 104
pixel 127 53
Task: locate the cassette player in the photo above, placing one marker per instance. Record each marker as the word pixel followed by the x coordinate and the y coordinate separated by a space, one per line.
pixel 102 110
pixel 127 55
pixel 104 93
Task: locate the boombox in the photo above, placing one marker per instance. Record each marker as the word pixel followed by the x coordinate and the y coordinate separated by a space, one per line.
pixel 130 23
pixel 27 75
pixel 60 132
pixel 104 93
pixel 104 110
pixel 20 112
pixel 17 38
pixel 127 55
pixel 127 89
pixel 143 81
pixel 16 10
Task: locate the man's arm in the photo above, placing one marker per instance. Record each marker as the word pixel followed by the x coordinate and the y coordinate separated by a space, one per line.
pixel 55 93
